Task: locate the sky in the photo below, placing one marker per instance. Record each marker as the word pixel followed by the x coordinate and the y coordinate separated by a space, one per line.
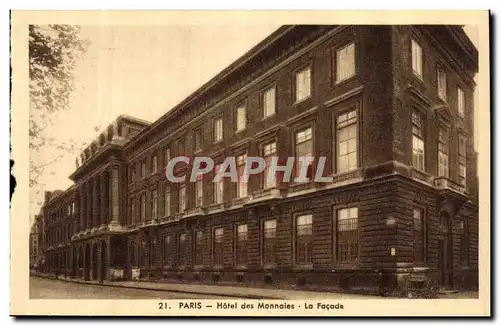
pixel 142 71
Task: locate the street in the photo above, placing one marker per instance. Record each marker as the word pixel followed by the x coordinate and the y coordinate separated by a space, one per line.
pixel 41 288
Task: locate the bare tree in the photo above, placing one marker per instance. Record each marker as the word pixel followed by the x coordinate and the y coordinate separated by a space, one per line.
pixel 54 51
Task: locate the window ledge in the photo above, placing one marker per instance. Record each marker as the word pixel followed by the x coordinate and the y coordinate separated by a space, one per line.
pixel 241 266
pixel 303 267
pixel 345 267
pixel 417 76
pixel 345 80
pixel 240 200
pixel 442 99
pixel 267 117
pixel 302 100
pixel 421 175
pixel 269 266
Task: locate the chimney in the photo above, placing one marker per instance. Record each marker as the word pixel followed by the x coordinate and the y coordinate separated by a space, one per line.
pixel 47 196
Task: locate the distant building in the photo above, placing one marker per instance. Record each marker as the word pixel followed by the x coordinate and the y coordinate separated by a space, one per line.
pixel 35 244
pixel 390 107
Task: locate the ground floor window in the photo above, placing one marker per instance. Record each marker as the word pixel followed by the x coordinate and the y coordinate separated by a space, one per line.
pixel 304 239
pixel 198 248
pixel 464 243
pixel 269 242
pixel 218 250
pixel 418 235
pixel 347 235
pixel 241 244
pixel 182 249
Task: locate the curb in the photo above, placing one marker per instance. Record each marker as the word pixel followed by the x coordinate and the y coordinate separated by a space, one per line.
pixel 158 290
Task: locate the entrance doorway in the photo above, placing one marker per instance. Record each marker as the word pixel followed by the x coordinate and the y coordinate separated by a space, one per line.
pixel 445 255
pixel 104 259
pixel 95 261
pixel 74 263
pixel 86 267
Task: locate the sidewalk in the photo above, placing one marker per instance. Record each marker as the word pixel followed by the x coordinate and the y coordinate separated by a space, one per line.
pixel 218 290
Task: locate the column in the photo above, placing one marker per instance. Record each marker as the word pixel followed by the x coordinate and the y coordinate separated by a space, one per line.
pixel 81 227
pixel 95 201
pixel 99 202
pixel 104 197
pixel 89 205
pixel 76 227
pixel 115 196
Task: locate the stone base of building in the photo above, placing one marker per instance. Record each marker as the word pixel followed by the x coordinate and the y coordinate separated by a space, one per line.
pixel 392 283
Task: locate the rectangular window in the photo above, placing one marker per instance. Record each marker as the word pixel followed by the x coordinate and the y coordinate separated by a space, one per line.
pixel 132 212
pixel 418 235
pixel 167 201
pixel 241 244
pixel 302 84
pixel 269 102
pixel 218 187
pixel 181 146
pixel 443 152
pixel 462 178
pixel 199 190
pixel 133 253
pixel 154 164
pixel 416 58
pixel 241 187
pixel 166 246
pixel 461 102
pixel 418 146
pixel 347 144
pixel 218 246
pixel 154 204
pixel 182 249
pixel 347 235
pixel 303 240
pixel 143 170
pixel 346 62
pixel 198 140
pixel 304 148
pixel 441 74
pixel 269 242
pixel 241 118
pixel 182 198
pixel 133 173
pixel 167 156
pixel 198 248
pixel 269 152
pixel 218 129
pixel 464 243
pixel 143 207
pixel 152 254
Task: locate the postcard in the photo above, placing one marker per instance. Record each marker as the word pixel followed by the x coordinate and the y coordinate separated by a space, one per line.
pixel 218 163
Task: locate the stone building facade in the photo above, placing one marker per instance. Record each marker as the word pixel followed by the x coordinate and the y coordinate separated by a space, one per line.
pixel 36 242
pixel 389 107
